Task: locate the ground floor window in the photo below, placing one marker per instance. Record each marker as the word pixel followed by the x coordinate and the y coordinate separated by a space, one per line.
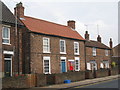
pixel 104 64
pixel 46 65
pixel 77 63
pixel 92 65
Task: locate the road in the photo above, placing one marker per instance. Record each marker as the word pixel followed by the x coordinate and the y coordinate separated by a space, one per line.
pixel 105 84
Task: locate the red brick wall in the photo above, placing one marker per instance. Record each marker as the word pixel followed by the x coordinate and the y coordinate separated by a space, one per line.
pixel 100 55
pixel 36 53
pixel 16 47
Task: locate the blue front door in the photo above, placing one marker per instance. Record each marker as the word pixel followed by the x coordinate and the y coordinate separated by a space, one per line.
pixel 63 66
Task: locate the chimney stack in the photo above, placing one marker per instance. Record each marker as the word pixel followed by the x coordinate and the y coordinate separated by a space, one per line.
pixel 71 23
pixel 86 35
pixel 19 10
pixel 111 43
pixel 99 38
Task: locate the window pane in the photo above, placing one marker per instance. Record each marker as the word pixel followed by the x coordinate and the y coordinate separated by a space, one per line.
pixel 62 46
pixel 46 47
pixel 5 41
pixel 46 66
pixel 5 32
pixel 76 48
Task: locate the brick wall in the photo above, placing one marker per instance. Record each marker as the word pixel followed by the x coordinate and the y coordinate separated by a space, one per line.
pixel 41 80
pixel 60 77
pixel 36 53
pixel 100 56
pixel 115 71
pixel 16 47
pixel 102 73
pixel 26 81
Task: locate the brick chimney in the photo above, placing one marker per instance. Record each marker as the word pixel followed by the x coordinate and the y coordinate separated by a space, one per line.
pixel 99 38
pixel 86 35
pixel 71 23
pixel 111 43
pixel 19 10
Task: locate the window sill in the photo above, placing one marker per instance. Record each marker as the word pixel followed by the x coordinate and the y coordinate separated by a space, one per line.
pixel 63 53
pixel 46 52
pixel 76 54
pixel 6 43
pixel 47 73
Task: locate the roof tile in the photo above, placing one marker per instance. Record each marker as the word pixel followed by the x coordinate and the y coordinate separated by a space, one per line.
pixel 46 27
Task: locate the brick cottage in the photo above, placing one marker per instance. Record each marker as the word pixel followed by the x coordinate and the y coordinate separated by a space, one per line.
pixel 50 47
pixel 98 55
pixel 11 40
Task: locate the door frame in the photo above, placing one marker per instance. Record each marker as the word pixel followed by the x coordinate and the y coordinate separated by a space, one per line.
pixel 11 64
pixel 63 58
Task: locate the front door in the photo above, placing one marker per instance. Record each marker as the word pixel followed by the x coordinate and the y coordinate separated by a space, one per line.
pixel 63 66
pixel 7 66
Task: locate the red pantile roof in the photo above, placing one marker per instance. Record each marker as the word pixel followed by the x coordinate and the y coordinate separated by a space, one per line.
pixel 45 27
pixel 91 43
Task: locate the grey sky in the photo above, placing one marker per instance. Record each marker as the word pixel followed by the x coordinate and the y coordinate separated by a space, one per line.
pixel 90 12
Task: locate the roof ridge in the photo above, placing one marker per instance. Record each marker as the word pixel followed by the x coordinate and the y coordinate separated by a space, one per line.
pixel 46 21
pixel 100 43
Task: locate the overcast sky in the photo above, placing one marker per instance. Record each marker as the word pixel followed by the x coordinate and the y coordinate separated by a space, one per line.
pixel 84 12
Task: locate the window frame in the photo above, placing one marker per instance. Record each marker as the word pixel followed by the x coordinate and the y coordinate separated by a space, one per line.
pixel 94 51
pixel 46 58
pixel 8 35
pixel 48 45
pixel 78 53
pixel 64 47
pixel 106 52
pixel 77 59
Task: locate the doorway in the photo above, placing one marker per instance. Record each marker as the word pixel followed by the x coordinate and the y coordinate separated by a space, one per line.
pixel 63 65
pixel 8 65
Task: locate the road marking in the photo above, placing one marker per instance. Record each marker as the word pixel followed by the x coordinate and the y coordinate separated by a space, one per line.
pixel 95 83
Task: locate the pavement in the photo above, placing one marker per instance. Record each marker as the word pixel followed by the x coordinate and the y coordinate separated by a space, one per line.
pixel 78 83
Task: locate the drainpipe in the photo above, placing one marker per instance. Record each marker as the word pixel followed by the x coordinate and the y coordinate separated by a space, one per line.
pixel 85 56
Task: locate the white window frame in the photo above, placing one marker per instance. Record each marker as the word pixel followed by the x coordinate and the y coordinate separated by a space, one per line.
pixel 64 47
pixel 77 48
pixel 106 63
pixel 88 66
pixel 48 45
pixel 46 58
pixel 77 59
pixel 106 52
pixel 94 50
pixel 8 35
pixel 63 58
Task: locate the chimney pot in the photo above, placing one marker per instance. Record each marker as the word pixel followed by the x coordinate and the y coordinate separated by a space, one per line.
pixel 111 43
pixel 71 23
pixel 86 35
pixel 99 38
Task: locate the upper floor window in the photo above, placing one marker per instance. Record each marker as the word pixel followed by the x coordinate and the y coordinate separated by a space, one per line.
pixel 94 51
pixel 6 35
pixel 62 47
pixel 46 45
pixel 76 48
pixel 106 52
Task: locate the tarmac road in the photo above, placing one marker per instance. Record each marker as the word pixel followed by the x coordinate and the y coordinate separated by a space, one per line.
pixel 115 83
